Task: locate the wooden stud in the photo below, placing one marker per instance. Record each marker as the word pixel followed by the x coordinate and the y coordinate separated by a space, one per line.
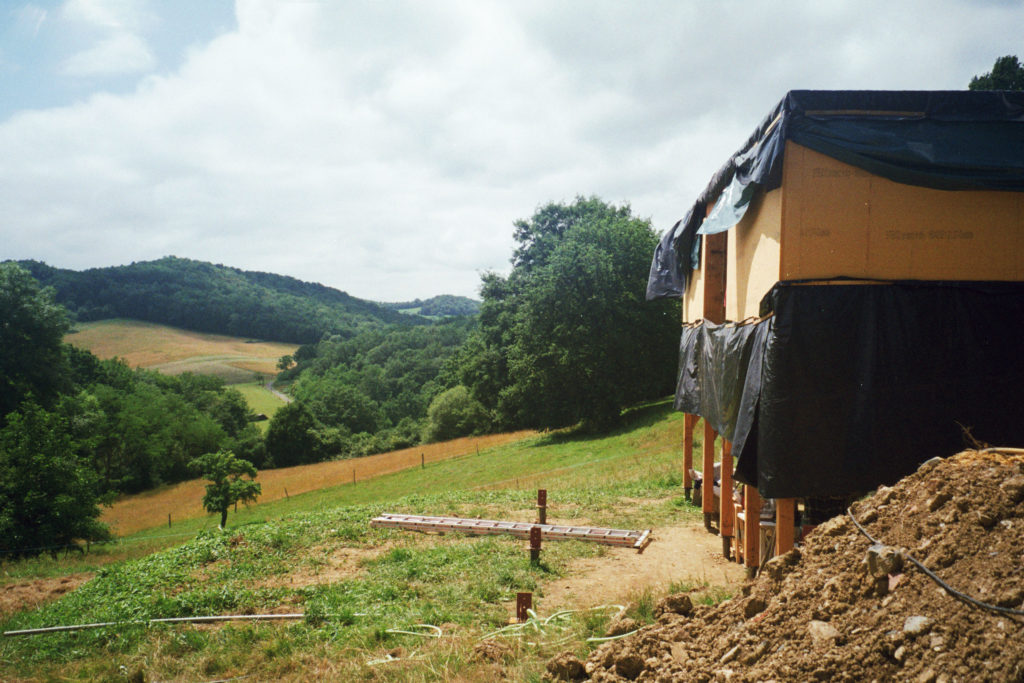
pixel 689 422
pixel 751 529
pixel 708 482
pixel 785 520
pixel 726 509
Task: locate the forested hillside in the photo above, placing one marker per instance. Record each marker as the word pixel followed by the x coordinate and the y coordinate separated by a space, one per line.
pixel 213 298
pixel 75 430
pixel 441 306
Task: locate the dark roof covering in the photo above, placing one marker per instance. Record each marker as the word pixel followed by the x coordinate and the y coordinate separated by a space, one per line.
pixel 947 140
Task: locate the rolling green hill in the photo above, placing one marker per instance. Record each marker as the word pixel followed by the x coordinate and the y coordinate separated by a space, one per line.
pixel 365 591
pixel 204 297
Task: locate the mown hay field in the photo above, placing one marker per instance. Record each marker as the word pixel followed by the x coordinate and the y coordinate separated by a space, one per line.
pixel 173 350
pixel 182 501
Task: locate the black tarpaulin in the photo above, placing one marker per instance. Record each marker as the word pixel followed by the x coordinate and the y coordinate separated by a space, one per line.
pixel 950 140
pixel 847 387
pixel 720 374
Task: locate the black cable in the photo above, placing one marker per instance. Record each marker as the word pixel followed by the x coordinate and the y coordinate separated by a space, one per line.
pixel 931 575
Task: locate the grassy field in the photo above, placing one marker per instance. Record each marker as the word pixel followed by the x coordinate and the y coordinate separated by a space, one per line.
pixel 363 592
pixel 261 401
pixel 173 350
pixel 327 481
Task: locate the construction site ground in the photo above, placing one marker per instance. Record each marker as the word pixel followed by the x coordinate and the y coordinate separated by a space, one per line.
pixel 822 612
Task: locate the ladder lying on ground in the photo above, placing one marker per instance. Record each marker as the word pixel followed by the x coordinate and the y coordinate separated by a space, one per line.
pixel 549 532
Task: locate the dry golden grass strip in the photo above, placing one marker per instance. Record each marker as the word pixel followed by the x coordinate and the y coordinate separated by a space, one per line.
pixel 143 344
pixel 182 501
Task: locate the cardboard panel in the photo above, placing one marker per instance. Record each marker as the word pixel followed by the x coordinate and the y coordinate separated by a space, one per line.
pixel 841 221
pixel 754 249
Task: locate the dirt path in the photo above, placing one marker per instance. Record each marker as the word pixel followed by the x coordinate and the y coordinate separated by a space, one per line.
pixel 684 553
pixel 284 397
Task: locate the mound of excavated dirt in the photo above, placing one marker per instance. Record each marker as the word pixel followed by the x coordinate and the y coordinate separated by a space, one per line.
pixel 824 613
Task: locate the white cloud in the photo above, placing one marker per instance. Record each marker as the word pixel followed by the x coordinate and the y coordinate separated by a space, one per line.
pixel 121 53
pixel 386 148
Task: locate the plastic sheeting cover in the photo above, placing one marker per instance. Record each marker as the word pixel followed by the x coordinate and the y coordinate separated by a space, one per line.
pixel 849 387
pixel 951 140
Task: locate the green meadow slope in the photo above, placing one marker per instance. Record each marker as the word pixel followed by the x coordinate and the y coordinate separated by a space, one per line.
pixel 364 592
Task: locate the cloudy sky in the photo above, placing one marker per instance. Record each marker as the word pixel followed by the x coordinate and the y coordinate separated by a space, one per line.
pixel 385 148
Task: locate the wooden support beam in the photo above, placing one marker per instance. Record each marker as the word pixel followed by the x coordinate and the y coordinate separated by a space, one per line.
pixel 785 519
pixel 689 422
pixel 726 509
pixel 708 466
pixel 751 530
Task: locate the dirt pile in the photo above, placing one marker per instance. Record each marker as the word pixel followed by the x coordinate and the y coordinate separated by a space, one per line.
pixel 833 611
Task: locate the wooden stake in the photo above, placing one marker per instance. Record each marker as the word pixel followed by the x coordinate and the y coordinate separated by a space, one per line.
pixel 535 535
pixel 524 602
pixel 542 506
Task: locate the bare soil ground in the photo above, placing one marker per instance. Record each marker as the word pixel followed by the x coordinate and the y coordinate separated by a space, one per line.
pixel 824 613
pixel 681 554
pixel 22 595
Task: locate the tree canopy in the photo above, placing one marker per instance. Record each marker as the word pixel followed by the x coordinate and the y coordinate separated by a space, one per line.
pixel 49 495
pixel 227 486
pixel 32 327
pixel 1006 74
pixel 214 298
pixel 567 337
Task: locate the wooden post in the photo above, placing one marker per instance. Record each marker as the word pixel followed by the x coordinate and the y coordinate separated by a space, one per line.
pixel 423 461
pixel 785 519
pixel 168 520
pixel 535 545
pixel 708 483
pixel 542 506
pixel 689 422
pixel 726 509
pixel 751 530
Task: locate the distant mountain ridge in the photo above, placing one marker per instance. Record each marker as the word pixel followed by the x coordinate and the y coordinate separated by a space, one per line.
pixel 205 297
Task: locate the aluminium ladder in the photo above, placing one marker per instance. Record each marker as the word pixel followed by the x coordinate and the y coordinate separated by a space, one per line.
pixel 549 532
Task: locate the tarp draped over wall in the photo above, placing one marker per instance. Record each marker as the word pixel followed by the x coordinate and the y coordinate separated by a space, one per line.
pixel 846 387
pixel 952 140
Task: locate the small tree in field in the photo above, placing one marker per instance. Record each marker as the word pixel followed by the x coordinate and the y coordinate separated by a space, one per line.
pixel 226 487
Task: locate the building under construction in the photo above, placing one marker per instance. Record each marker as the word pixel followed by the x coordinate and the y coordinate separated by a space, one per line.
pixel 853 294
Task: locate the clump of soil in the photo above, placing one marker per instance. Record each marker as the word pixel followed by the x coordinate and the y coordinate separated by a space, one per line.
pixel 824 612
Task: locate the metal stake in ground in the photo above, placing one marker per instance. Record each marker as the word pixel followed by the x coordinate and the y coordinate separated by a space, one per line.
pixel 535 545
pixel 542 506
pixel 524 602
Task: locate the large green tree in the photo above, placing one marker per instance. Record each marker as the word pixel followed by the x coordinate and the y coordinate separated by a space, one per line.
pixel 454 413
pixel 32 326
pixel 48 493
pixel 1006 74
pixel 567 337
